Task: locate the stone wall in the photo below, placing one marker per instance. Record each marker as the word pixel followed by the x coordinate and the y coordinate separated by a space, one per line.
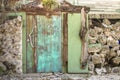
pixel 104 46
pixel 11 46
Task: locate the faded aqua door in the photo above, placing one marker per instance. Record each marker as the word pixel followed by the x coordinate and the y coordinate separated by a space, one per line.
pixel 49 44
pixel 45 53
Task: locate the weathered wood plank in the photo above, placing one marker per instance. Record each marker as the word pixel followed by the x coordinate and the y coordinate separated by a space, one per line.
pixel 29 44
pixel 35 43
pixel 49 44
pixel 65 41
pixel 74 44
pixel 24 42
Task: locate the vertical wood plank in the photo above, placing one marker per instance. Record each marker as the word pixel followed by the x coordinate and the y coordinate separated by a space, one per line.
pixel 65 41
pixel 74 44
pixel 29 47
pixel 35 42
pixel 24 42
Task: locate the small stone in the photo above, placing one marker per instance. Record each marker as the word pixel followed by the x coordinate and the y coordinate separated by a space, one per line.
pixel 94 48
pixel 102 39
pixel 107 33
pixel 112 42
pixel 2 67
pixel 115 35
pixel 107 22
pixel 98 30
pixel 92 33
pixel 91 66
pixel 96 59
pixel 28 79
pixel 100 70
pixel 116 70
pixel 108 69
pixel 105 50
pixel 19 18
pixel 117 24
pixel 76 78
pixel 112 54
pixel 118 53
pixel 116 60
pixel 115 48
pixel 92 40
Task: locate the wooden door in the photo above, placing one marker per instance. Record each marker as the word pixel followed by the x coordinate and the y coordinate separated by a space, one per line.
pixel 49 44
pixel 46 44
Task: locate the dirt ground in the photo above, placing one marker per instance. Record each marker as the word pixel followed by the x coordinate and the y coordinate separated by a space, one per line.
pixel 60 76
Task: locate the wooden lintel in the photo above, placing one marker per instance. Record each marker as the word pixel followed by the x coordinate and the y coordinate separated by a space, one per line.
pixel 44 13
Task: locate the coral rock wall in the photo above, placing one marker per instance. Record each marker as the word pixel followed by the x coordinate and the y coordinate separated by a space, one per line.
pixel 104 46
pixel 11 46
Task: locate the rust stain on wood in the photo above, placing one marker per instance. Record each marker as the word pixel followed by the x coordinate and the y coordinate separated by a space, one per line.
pixel 35 42
pixel 65 39
pixel 29 47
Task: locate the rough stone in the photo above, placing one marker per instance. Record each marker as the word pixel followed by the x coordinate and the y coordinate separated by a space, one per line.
pixel 107 22
pixel 92 33
pixel 117 24
pixel 115 48
pixel 100 70
pixel 2 67
pixel 92 40
pixel 102 39
pixel 116 60
pixel 112 54
pixel 105 50
pixel 118 53
pixel 91 66
pixel 107 33
pixel 116 70
pixel 98 30
pixel 94 49
pixel 97 59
